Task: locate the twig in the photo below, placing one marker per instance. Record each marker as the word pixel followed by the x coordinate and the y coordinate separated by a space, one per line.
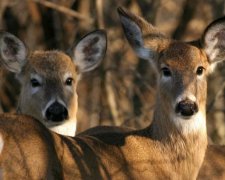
pixel 100 19
pixel 111 96
pixel 64 10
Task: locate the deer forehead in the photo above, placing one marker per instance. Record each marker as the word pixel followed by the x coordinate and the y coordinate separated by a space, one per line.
pixel 50 64
pixel 183 57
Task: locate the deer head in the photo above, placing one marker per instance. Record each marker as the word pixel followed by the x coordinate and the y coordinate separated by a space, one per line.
pixel 49 78
pixel 182 67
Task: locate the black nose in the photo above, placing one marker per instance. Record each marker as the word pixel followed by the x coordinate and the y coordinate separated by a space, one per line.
pixel 187 108
pixel 56 112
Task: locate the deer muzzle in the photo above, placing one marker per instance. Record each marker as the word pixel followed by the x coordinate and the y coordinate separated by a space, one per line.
pixel 186 108
pixel 56 112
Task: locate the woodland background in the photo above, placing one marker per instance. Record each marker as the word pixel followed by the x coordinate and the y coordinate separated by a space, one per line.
pixel 122 90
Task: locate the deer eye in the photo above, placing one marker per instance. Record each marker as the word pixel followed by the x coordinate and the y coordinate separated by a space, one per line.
pixel 166 72
pixel 69 81
pixel 200 70
pixel 34 83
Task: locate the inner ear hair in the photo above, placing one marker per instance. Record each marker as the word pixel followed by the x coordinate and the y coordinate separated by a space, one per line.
pixel 13 52
pixel 213 40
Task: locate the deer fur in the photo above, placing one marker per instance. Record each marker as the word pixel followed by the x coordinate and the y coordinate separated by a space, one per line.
pixel 213 166
pixel 49 78
pixel 171 147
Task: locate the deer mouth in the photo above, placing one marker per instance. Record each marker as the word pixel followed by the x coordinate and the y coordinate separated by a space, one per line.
pixel 51 124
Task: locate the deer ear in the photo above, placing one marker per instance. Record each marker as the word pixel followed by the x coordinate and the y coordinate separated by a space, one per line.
pixel 213 40
pixel 90 50
pixel 141 35
pixel 13 52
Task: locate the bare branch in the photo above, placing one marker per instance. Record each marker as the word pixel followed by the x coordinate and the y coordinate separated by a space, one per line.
pixel 64 10
pixel 111 96
pixel 99 8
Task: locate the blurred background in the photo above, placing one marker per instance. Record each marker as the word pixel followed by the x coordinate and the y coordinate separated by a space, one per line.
pixel 122 90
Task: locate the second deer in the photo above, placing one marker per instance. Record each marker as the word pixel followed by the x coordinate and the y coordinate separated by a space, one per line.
pixel 49 78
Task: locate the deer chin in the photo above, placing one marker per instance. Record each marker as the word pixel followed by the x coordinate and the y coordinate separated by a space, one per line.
pixel 67 127
pixel 189 124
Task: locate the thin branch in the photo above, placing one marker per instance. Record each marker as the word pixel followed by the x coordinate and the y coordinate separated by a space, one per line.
pixel 111 96
pixel 64 10
pixel 100 19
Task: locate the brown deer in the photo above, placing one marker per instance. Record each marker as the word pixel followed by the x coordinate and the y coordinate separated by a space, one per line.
pixel 214 163
pixel 172 147
pixel 49 78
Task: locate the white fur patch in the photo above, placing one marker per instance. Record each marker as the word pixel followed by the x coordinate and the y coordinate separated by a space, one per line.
pixel 196 123
pixel 68 128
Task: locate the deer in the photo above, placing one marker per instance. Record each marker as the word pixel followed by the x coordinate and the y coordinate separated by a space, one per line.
pixel 172 147
pixel 49 78
pixel 213 166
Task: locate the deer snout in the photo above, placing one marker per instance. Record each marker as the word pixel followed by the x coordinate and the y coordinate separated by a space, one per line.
pixel 186 108
pixel 56 112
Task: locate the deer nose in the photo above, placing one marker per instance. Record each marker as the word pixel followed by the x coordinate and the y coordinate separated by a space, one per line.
pixel 56 112
pixel 186 108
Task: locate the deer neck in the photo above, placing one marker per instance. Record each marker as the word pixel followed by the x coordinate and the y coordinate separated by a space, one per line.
pixel 186 146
